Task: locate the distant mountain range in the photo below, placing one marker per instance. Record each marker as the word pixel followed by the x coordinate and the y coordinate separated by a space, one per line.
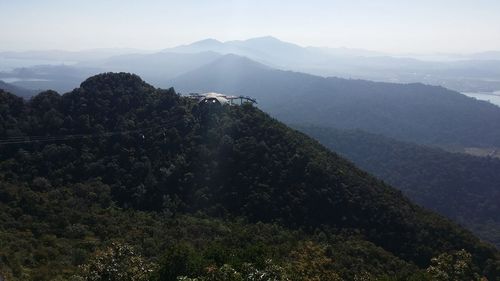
pixel 70 56
pixel 61 78
pixel 489 55
pixel 157 68
pixel 467 73
pixel 477 72
pixel 271 51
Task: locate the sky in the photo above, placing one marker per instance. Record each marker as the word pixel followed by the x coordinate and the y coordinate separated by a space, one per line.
pixel 397 26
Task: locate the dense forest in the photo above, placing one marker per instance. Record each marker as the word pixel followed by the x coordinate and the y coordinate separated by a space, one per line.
pixel 411 112
pixel 118 180
pixel 462 187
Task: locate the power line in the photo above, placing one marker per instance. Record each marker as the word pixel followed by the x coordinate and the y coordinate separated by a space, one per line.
pixel 34 139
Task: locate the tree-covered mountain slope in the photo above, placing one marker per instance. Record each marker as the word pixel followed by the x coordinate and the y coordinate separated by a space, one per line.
pixel 158 153
pixel 410 112
pixel 462 187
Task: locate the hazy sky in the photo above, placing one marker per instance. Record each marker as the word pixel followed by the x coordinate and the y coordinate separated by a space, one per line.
pixel 385 25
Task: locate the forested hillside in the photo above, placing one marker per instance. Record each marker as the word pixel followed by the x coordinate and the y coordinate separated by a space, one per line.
pixel 119 160
pixel 410 112
pixel 462 187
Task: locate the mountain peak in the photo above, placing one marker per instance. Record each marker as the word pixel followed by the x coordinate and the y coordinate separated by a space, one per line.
pixel 236 60
pixel 204 45
pixel 107 83
pixel 264 38
pixel 206 42
pixel 265 42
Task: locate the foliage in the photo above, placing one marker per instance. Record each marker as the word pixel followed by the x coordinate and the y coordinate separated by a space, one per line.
pixel 249 272
pixel 462 187
pixel 118 262
pixel 450 267
pixel 52 238
pixel 180 260
pixel 310 263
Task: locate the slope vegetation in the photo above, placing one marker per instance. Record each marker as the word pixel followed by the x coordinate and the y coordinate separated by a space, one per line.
pixel 462 187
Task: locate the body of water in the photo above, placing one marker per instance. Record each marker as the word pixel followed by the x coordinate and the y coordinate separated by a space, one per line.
pixel 8 64
pixel 12 80
pixel 493 97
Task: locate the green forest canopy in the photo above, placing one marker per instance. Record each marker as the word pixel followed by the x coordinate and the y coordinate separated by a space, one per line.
pixel 459 186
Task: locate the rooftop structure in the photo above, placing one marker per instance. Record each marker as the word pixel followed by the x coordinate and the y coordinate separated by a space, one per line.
pixel 216 98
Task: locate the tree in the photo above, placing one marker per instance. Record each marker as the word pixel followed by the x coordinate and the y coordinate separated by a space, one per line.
pixel 119 262
pixel 180 260
pixel 452 267
pixel 271 272
pixel 309 262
